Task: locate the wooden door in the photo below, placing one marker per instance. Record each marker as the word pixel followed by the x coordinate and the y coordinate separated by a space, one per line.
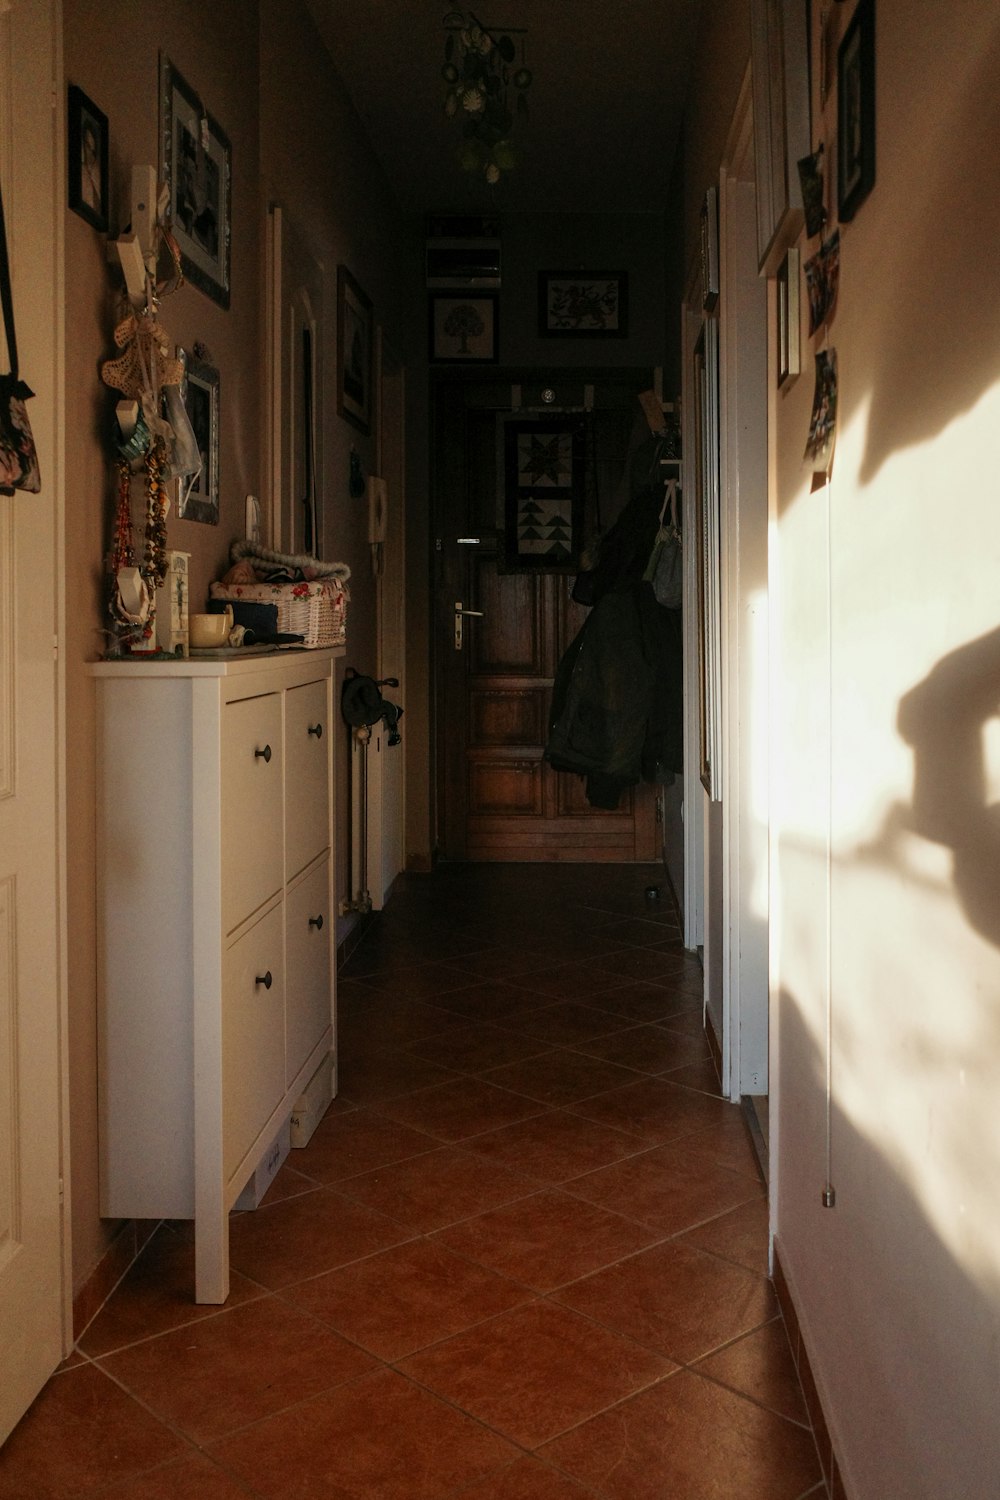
pixel 34 1303
pixel 498 799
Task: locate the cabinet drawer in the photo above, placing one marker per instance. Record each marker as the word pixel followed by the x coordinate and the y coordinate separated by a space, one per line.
pixel 251 805
pixel 308 1009
pixel 253 1035
pixel 307 788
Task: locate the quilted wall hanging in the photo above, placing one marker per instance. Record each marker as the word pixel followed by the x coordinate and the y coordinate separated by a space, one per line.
pixel 543 494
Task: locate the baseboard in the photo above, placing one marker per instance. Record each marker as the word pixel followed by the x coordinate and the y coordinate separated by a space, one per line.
pixel 817 1416
pixel 124 1250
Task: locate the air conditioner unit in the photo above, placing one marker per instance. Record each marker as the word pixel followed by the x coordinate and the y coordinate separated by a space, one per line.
pixel 463 262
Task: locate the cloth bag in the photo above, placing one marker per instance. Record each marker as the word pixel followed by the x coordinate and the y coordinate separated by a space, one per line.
pixel 666 564
pixel 18 458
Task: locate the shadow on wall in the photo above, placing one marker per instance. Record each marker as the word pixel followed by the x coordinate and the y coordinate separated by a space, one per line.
pixel 906 1344
pixel 934 331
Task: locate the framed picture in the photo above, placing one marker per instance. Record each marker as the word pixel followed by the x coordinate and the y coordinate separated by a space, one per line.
pixel 88 159
pixel 710 249
pixel 789 332
pixel 780 68
pixel 856 112
pixel 200 500
pixel 196 165
pixel 464 328
pixel 543 490
pixel 354 352
pixel 583 304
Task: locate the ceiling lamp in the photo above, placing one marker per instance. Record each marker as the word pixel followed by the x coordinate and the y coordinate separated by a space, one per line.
pixel 484 90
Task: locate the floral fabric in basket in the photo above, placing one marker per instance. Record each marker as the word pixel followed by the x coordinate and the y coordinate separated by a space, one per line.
pixel 316 610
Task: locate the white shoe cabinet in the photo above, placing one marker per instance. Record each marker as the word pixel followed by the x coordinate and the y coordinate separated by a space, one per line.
pixel 216 927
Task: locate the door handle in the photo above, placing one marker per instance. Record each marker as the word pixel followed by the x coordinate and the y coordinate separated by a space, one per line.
pixel 460 613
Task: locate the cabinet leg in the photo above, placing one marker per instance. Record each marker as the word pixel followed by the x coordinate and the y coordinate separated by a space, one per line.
pixel 211 1260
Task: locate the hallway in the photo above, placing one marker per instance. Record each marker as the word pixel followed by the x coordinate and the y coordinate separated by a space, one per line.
pixel 523 1257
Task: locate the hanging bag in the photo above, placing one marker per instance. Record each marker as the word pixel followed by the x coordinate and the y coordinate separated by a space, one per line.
pixel 666 565
pixel 18 459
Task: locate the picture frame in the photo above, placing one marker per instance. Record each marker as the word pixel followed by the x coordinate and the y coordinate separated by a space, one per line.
pixel 543 484
pixel 87 130
pixel 856 112
pixel 583 304
pixel 196 166
pixel 789 315
pixel 355 344
pixel 710 249
pixel 464 327
pixel 779 49
pixel 199 500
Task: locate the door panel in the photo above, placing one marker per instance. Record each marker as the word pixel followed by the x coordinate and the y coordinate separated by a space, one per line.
pixel 498 798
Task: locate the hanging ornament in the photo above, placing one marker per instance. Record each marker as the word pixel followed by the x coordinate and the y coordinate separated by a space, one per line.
pixel 483 87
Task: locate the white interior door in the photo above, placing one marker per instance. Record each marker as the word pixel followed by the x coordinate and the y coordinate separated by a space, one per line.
pixel 34 1313
pixel 386 814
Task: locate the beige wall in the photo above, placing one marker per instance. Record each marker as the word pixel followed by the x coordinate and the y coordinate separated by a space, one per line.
pixel 296 130
pixel 885 774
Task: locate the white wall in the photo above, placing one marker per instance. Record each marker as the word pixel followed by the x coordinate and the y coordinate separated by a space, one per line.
pixel 885 777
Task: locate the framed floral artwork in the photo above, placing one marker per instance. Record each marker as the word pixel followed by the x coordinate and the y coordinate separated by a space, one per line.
pixel 583 304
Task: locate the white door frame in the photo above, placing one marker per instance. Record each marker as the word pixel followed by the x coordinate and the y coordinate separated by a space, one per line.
pixel 32 683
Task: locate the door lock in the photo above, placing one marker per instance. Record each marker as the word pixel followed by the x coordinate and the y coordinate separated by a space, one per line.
pixel 460 613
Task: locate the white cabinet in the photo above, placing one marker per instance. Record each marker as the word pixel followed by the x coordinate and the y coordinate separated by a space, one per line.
pixel 217 977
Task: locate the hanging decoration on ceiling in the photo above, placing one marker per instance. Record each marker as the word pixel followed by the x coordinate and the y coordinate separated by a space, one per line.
pixel 486 87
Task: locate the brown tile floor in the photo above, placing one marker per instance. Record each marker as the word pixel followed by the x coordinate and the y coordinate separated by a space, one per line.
pixel 523 1257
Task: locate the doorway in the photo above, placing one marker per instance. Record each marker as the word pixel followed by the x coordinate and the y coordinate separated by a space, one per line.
pixel 501 628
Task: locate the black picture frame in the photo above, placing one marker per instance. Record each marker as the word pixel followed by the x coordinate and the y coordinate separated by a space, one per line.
pixel 583 304
pixel 543 467
pixel 355 346
pixel 463 327
pixel 196 165
pixel 199 500
pixel 87 130
pixel 856 112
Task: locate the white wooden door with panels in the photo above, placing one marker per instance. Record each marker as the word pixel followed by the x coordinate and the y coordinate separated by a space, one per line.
pixel 386 762
pixel 35 1318
pixel 298 337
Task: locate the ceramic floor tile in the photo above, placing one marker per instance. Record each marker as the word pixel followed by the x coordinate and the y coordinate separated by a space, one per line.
pixel 640 963
pixel 157 1294
pixel 454 1111
pixel 565 1023
pixel 677 1300
pixel 701 1076
pixel 666 1189
pixel 740 1235
pixel 81 1432
pixel 191 1479
pixel 401 1300
pixel 646 1049
pixel 643 1003
pixel 536 1371
pixel 654 1110
pixel 382 1436
pixel 374 1078
pixel 358 1143
pixel 527 1479
pixel 546 1240
pixel 500 962
pixel 760 1365
pixel 477 1047
pixel 235 1368
pixel 288 1182
pixel 691 1439
pixel 726 1142
pixel 305 1236
pixel 555 1146
pixel 439 1188
pixel 488 1000
pixel 568 981
pixel 424 982
pixel 560 1076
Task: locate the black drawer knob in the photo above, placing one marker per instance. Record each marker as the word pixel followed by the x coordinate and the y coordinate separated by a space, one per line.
pixel 316 922
pixel 264 755
pixel 317 730
pixel 264 979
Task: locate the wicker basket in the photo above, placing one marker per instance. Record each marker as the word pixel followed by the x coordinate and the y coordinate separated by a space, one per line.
pixel 317 611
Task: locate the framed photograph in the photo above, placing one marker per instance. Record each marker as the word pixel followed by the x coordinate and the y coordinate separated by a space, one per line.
pixel 196 165
pixel 543 490
pixel 583 304
pixel 464 327
pixel 780 67
pixel 789 330
pixel 199 500
pixel 856 112
pixel 88 159
pixel 355 342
